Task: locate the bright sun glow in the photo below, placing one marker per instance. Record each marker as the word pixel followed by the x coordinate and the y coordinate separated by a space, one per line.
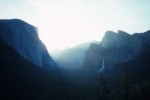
pixel 65 23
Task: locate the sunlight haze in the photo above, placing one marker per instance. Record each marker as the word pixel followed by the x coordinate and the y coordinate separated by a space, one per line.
pixel 65 23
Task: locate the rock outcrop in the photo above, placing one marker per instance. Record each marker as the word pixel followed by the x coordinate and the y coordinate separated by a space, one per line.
pixel 116 48
pixel 24 38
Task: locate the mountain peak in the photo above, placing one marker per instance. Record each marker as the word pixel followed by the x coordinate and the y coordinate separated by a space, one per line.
pixel 123 32
pixel 114 40
pixel 14 20
pixel 24 38
pixel 109 33
pixel 121 47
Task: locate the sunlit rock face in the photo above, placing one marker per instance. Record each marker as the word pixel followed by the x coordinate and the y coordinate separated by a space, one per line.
pixel 116 48
pixel 24 38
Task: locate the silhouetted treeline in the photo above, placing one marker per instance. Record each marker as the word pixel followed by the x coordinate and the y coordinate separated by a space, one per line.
pixel 126 90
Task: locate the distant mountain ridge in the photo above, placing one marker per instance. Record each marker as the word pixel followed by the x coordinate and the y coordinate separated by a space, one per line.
pixel 73 58
pixel 116 48
pixel 24 38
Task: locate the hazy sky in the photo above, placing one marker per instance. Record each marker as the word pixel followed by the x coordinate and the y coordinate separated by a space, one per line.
pixel 64 23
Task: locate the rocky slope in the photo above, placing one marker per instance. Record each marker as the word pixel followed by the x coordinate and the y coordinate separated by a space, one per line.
pixel 116 48
pixel 24 38
pixel 22 80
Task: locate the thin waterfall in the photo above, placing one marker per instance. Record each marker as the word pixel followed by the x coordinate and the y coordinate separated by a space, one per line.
pixel 103 65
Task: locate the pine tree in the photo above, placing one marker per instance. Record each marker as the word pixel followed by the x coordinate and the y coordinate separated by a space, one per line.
pixel 141 91
pixel 103 91
pixel 125 88
pixel 136 92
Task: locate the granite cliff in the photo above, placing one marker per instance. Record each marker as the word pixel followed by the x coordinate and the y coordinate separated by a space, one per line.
pixel 24 38
pixel 116 48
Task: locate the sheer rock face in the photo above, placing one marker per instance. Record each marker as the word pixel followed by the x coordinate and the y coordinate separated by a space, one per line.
pixel 116 48
pixel 94 56
pixel 24 38
pixel 115 40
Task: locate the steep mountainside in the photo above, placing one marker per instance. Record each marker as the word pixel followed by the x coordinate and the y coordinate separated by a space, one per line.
pixel 22 80
pixel 24 38
pixel 116 48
